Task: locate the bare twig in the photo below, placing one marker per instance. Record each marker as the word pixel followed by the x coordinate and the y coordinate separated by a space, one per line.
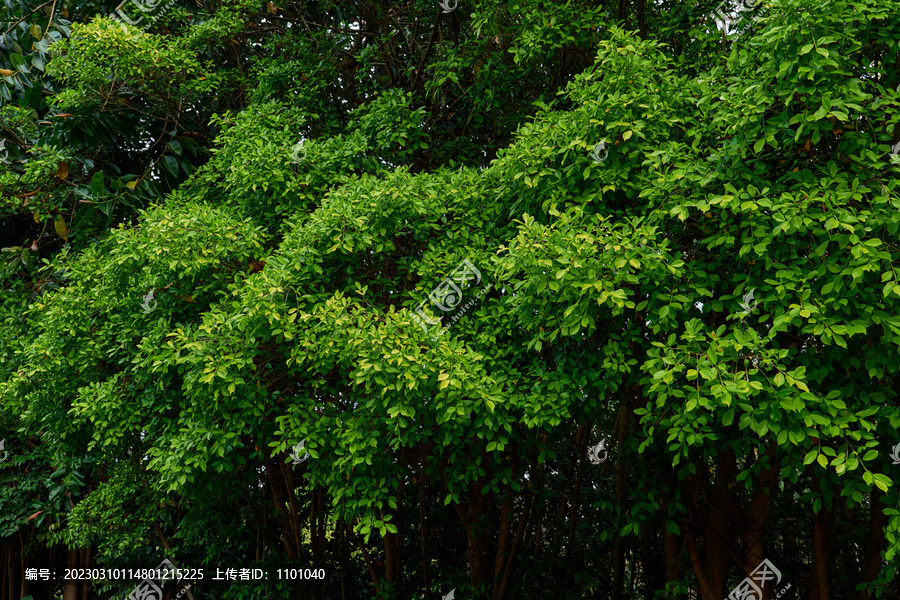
pixel 28 15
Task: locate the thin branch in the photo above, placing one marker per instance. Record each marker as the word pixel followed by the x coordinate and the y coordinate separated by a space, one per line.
pixel 28 15
pixel 50 22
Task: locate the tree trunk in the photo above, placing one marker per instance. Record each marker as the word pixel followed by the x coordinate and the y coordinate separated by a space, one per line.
pixel 756 515
pixel 392 547
pixel 70 587
pixel 520 532
pixel 714 523
pixel 871 564
pixel 478 533
pixel 287 518
pixel 716 549
pixel 620 432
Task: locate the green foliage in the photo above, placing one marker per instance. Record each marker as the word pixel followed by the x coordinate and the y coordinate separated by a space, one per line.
pixel 106 64
pixel 715 294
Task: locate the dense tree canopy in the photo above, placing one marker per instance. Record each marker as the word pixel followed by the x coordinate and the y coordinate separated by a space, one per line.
pixel 520 299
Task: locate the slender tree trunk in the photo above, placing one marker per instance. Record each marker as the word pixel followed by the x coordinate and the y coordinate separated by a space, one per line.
pixel 711 520
pixel 504 545
pixel 673 546
pixel 285 509
pixel 756 515
pixel 392 547
pixel 642 18
pixel 423 530
pixel 477 531
pixel 372 574
pixel 716 550
pixel 652 570
pixel 871 564
pixel 581 443
pixel 10 564
pixel 165 544
pixel 343 540
pixel 820 587
pixel 70 588
pixel 707 590
pixel 515 548
pixel 557 528
pixel 621 429
pixel 84 586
